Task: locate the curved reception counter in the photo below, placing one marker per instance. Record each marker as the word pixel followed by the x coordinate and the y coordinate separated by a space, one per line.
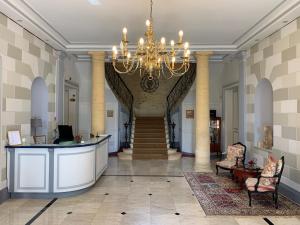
pixel 55 170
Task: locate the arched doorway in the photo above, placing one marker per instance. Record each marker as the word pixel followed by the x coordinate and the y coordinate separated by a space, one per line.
pixel 263 109
pixel 39 107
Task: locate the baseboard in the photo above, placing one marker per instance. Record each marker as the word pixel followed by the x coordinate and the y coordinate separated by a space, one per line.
pixel 289 192
pixel 187 154
pixel 113 154
pixel 4 195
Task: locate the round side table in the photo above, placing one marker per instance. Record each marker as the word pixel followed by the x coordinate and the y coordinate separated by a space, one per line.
pixel 241 174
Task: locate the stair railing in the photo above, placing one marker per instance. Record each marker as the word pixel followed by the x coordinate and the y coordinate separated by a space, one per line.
pixel 123 94
pixel 176 96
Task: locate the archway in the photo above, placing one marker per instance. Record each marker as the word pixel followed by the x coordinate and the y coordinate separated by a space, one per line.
pixel 263 109
pixel 39 106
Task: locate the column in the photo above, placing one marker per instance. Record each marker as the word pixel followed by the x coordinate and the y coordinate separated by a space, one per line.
pixel 98 93
pixel 202 143
pixel 60 82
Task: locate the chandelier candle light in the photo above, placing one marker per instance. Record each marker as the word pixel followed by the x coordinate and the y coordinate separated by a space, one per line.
pixel 151 57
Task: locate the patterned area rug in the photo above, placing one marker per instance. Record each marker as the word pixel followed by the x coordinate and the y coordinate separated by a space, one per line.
pixel 219 195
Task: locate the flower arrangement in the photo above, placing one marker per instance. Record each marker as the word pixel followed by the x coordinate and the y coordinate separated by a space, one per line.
pixel 78 138
pixel 252 163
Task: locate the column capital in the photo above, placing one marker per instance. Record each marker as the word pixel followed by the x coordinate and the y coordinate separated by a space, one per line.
pixel 203 53
pixel 97 55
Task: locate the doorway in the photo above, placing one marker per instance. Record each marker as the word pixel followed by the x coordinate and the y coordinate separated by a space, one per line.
pixel 39 107
pixel 230 115
pixel 71 105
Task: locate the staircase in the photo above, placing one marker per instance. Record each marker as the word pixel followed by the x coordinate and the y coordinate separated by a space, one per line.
pixel 149 138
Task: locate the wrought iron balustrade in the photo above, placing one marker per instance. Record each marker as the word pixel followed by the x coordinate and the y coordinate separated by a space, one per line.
pixel 176 96
pixel 123 94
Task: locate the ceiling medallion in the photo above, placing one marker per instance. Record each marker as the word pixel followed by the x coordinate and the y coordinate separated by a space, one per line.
pixel 149 85
pixel 150 57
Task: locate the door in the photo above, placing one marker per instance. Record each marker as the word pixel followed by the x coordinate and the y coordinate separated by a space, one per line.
pixel 231 115
pixel 71 107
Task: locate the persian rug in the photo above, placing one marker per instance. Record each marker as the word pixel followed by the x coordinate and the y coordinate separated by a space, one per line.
pixel 220 195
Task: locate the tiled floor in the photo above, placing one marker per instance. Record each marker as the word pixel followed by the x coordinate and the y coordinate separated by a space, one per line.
pixel 130 193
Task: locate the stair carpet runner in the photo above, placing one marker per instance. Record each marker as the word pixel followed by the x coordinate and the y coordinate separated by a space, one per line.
pixel 149 138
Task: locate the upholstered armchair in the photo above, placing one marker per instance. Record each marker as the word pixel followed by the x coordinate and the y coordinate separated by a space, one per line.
pixel 268 181
pixel 235 157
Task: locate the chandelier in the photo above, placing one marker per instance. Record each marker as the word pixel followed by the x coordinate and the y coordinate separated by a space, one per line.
pixel 150 57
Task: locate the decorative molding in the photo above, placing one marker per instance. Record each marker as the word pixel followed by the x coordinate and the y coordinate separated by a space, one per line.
pixel 33 22
pixel 286 10
pixel 19 161
pixel 58 186
pixel 212 58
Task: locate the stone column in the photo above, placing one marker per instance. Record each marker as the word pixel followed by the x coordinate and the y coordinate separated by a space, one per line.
pixel 202 144
pixel 98 93
pixel 60 82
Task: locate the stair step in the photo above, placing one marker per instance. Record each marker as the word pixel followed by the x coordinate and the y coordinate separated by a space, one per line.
pixel 149 149
pixel 149 135
pixel 149 118
pixel 150 130
pixel 149 140
pixel 153 122
pixel 150 126
pixel 149 145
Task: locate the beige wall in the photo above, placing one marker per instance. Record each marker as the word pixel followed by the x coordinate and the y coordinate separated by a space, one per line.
pixel 24 57
pixel 149 104
pixel 277 58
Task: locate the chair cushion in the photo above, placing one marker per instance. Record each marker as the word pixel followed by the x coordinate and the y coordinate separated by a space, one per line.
pixel 269 171
pixel 279 166
pixel 239 146
pixel 250 184
pixel 234 151
pixel 226 164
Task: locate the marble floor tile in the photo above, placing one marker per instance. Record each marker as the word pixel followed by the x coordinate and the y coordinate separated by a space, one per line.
pixel 151 192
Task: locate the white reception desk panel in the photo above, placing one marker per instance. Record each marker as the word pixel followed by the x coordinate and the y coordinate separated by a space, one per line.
pixel 44 170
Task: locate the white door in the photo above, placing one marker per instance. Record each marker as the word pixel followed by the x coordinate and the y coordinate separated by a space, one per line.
pixel 71 108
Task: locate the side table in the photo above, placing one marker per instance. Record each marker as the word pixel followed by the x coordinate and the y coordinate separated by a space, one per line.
pixel 241 174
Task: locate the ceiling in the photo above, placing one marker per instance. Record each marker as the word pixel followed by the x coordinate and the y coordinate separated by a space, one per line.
pixel 218 25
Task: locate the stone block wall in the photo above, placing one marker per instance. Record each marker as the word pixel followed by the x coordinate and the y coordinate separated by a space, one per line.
pixel 23 57
pixel 277 58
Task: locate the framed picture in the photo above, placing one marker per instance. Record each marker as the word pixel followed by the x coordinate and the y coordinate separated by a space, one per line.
pixel 14 137
pixel 41 139
pixel 189 114
pixel 110 113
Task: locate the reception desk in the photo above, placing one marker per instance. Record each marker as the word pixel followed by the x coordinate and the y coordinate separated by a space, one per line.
pixel 55 170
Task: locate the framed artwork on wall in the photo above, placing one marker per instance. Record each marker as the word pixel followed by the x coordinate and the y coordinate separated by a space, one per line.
pixel 189 114
pixel 14 137
pixel 110 113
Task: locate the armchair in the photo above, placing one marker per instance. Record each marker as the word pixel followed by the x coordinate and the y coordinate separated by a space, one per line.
pixel 235 157
pixel 268 181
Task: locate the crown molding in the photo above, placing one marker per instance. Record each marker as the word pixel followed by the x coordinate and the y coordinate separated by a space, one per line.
pixel 88 58
pixel 33 22
pixel 287 10
pixel 217 49
pixel 284 13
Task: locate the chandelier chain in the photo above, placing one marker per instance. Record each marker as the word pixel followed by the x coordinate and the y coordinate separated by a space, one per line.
pixel 151 6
